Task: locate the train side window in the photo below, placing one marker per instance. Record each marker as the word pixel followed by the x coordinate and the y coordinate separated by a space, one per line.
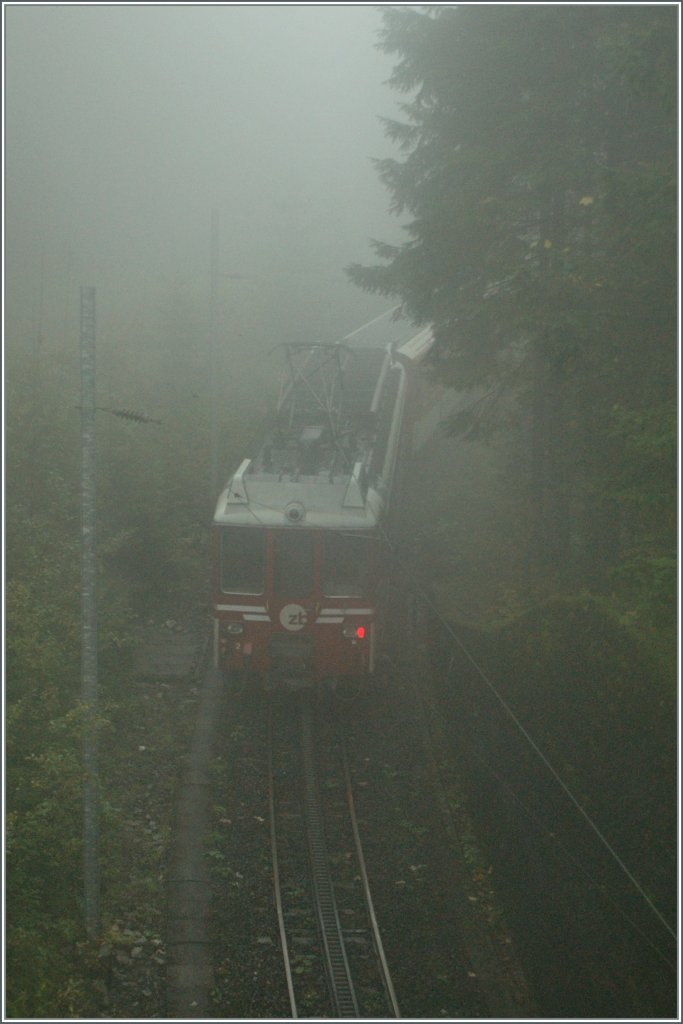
pixel 293 563
pixel 243 560
pixel 345 565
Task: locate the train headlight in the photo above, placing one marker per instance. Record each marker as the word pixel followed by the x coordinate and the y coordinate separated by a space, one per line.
pixel 235 628
pixel 354 632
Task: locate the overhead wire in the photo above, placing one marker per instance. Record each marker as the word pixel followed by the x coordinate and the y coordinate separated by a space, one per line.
pixel 543 829
pixel 537 750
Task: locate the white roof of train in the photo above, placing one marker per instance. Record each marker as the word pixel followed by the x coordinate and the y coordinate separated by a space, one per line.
pixel 345 501
pixel 308 502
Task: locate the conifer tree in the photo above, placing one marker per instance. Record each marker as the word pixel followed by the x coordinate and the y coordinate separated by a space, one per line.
pixel 537 168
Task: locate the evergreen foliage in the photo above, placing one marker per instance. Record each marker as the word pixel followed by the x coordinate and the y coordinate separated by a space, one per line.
pixel 537 170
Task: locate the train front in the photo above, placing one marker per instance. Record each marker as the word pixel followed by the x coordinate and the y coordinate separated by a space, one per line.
pixel 295 583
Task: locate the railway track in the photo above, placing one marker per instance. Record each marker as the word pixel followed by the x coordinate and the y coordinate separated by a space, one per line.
pixel 334 960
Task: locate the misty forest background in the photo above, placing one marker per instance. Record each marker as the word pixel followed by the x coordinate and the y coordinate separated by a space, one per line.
pixel 531 179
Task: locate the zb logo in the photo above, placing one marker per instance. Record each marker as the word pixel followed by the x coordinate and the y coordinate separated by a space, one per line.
pixel 293 617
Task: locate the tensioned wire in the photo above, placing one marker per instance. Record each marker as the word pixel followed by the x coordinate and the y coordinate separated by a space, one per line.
pixel 537 750
pixel 508 710
pixel 532 743
pixel 543 829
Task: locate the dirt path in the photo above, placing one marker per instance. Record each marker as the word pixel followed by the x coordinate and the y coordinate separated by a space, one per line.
pixel 190 964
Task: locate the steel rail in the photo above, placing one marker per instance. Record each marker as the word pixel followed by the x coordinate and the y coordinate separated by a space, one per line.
pixel 336 961
pixel 379 946
pixel 276 872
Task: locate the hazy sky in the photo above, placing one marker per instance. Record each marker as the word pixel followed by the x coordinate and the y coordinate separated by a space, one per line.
pixel 126 125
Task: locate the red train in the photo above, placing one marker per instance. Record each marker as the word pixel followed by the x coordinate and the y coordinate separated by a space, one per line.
pixel 301 532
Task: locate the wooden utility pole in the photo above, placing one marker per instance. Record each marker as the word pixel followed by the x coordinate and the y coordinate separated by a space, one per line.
pixel 89 695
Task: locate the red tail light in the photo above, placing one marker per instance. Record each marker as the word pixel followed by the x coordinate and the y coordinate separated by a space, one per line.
pixel 354 632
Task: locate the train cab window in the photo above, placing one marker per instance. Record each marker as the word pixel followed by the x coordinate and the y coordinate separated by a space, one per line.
pixel 345 565
pixel 293 563
pixel 243 560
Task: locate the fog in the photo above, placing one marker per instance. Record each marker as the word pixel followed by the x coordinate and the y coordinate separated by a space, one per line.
pixel 127 125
